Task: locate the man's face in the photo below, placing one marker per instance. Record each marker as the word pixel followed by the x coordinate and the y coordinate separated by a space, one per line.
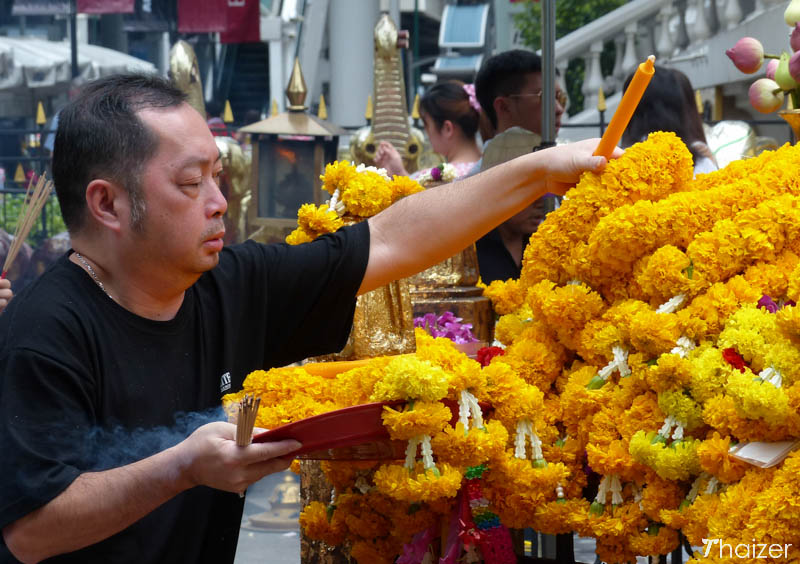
pixel 182 230
pixel 528 220
pixel 525 106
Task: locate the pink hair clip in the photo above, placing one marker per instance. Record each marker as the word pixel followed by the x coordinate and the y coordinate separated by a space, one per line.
pixel 473 100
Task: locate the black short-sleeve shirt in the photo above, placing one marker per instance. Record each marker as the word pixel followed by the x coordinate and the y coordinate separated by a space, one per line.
pixel 75 368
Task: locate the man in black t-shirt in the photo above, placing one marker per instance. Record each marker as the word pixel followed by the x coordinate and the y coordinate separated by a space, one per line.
pixel 148 317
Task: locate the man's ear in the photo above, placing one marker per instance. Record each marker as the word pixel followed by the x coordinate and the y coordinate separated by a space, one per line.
pixel 501 107
pixel 104 201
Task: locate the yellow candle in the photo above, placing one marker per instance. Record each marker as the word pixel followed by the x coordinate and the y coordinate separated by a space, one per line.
pixel 627 106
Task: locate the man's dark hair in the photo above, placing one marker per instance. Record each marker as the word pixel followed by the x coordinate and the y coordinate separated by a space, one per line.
pixel 502 75
pixel 100 135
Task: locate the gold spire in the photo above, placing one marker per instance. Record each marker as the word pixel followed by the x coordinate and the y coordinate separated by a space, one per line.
pixel 273 111
pixel 40 118
pixel 227 115
pixel 297 91
pixel 601 101
pixel 19 175
pixel 698 99
pixel 368 111
pixel 415 108
pixel 322 113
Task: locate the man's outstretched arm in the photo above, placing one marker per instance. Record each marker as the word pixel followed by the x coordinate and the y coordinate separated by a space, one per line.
pixel 99 504
pixel 426 228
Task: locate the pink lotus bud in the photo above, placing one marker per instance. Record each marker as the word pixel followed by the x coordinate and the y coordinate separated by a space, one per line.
pixel 794 66
pixel 747 55
pixel 765 95
pixel 792 14
pixel 772 64
pixel 794 38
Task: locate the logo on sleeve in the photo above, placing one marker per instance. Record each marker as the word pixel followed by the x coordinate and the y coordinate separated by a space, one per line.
pixel 225 382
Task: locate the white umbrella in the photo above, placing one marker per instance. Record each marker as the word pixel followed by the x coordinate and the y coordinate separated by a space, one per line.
pixel 35 69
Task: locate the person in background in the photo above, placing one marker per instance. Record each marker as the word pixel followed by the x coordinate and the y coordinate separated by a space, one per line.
pixel 509 89
pixel 452 117
pixel 5 293
pixel 668 104
pixel 218 127
pixel 150 315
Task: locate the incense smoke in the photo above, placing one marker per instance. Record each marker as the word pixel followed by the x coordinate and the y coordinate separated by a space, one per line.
pixel 118 446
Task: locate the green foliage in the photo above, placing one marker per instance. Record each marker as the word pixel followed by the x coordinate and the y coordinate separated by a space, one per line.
pixel 570 15
pixel 10 208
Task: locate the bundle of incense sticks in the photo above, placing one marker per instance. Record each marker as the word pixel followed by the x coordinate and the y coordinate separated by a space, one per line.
pixel 35 198
pixel 246 419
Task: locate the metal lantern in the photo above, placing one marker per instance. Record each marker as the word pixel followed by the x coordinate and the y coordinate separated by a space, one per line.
pixel 290 151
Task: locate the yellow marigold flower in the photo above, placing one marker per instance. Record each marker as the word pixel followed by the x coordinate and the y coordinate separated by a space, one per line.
pixel 716 460
pixel 506 297
pixel 682 407
pixel 536 356
pixel 407 377
pixel 612 458
pixel 367 194
pixel 663 542
pixel 403 186
pixel 467 375
pixel 318 219
pixel 536 483
pixel 643 413
pixel 664 274
pixel 298 236
pixel 597 340
pixel 671 372
pixel 356 386
pixel 659 494
pixel 750 330
pixel 338 175
pixel 315 524
pixel 556 517
pixel 509 327
pixel 343 474
pixel 756 399
pixel 566 309
pixel 421 418
pixel 514 400
pixel 439 351
pixel 578 403
pixel 461 449
pixel 709 372
pixel 676 461
pixel 418 485
pixel 788 322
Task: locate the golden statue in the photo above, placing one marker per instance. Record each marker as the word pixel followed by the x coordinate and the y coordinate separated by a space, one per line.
pixel 390 121
pixel 235 182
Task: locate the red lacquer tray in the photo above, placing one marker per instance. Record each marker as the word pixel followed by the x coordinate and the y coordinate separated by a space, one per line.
pixel 352 433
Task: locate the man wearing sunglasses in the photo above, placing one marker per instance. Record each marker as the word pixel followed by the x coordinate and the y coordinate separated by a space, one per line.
pixel 509 89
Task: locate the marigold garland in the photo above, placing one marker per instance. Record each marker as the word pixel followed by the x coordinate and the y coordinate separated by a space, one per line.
pixel 652 327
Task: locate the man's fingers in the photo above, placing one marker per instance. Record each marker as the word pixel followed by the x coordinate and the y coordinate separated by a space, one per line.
pixel 258 452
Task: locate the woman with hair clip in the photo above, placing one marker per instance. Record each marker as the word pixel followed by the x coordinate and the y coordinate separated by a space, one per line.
pixel 668 105
pixel 452 116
